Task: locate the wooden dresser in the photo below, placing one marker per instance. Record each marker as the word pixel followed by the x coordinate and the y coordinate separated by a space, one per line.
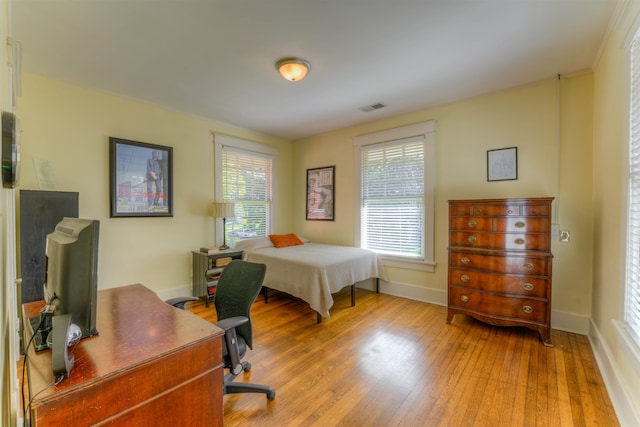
pixel 500 262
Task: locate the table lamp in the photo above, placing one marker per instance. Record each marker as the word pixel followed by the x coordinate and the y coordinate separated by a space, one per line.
pixel 224 210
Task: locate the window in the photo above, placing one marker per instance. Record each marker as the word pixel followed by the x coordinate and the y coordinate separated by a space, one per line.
pixel 632 295
pixel 394 184
pixel 244 176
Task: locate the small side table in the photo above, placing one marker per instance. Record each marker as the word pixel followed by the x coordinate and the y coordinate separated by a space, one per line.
pixel 207 268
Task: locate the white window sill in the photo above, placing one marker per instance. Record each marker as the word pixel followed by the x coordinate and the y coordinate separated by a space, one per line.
pixel 419 265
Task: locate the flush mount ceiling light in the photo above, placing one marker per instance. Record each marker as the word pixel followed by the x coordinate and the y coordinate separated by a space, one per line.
pixel 293 69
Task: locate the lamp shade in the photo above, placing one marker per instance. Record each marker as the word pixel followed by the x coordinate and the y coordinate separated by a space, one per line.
pixel 224 210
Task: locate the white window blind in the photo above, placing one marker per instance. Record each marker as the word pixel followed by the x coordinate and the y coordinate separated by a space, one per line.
pixel 632 297
pixel 393 205
pixel 247 181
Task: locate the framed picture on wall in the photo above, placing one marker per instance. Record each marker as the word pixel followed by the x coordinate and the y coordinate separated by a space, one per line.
pixel 502 164
pixel 141 178
pixel 320 194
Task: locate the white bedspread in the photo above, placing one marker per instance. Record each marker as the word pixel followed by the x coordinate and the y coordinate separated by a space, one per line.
pixel 313 271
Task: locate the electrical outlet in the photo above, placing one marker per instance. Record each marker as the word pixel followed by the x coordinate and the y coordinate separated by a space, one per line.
pixel 555 230
pixel 565 236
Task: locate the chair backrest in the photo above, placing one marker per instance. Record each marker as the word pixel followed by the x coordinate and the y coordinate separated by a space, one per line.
pixel 237 289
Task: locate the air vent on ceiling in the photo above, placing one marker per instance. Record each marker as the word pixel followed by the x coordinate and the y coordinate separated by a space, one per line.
pixel 372 107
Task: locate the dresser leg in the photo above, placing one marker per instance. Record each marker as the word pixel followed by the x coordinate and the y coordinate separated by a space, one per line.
pixel 449 317
pixel 545 335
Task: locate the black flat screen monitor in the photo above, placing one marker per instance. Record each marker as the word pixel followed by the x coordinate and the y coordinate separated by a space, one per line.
pixel 70 288
pixel 71 280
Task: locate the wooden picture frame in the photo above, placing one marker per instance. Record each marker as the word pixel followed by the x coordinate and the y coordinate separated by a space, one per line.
pixel 502 164
pixel 320 194
pixel 141 179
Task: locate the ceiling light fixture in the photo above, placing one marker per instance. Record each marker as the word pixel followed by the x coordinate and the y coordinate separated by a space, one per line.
pixel 293 69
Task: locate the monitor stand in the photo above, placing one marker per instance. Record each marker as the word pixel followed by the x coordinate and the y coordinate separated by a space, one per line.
pixel 40 336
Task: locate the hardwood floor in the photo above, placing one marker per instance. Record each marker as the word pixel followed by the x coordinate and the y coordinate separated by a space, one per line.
pixel 390 361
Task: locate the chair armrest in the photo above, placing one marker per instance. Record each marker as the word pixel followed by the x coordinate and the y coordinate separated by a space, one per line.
pixel 231 340
pixel 179 301
pixel 231 322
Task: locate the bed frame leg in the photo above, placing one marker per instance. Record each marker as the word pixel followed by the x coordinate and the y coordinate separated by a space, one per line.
pixel 377 285
pixel 318 319
pixel 266 295
pixel 353 295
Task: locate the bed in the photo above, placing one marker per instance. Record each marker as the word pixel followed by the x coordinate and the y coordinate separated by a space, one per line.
pixel 313 271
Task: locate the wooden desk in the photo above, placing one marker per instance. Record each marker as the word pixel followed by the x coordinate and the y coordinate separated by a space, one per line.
pixel 150 365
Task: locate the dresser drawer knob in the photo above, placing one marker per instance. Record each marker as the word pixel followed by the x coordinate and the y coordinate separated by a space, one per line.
pixel 520 224
pixel 519 241
pixel 464 278
pixel 472 239
pixel 472 223
pixel 528 287
pixel 528 266
pixel 465 260
pixel 527 309
pixel 464 298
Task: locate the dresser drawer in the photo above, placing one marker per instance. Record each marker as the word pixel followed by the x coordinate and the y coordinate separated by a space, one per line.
pixel 502 264
pixel 499 283
pixel 505 224
pixel 507 307
pixel 509 241
pixel 523 225
pixel 484 210
pixel 472 223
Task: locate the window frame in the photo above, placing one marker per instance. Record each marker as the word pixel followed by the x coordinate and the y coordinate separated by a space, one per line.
pixel 425 130
pixel 243 145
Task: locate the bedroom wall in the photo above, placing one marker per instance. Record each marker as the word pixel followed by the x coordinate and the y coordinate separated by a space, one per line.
pixel 554 159
pixel 618 357
pixel 70 127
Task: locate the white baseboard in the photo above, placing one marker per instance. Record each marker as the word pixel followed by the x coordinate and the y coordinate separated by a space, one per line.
pixel 620 397
pixel 405 290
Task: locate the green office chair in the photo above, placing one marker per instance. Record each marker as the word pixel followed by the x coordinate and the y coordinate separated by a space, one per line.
pixel 238 287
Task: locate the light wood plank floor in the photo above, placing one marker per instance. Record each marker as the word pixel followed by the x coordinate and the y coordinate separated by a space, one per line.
pixel 390 361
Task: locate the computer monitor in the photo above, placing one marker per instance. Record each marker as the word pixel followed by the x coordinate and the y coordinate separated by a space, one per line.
pixel 71 286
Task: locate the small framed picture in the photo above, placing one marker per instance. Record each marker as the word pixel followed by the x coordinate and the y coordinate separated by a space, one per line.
pixel 502 164
pixel 320 192
pixel 141 178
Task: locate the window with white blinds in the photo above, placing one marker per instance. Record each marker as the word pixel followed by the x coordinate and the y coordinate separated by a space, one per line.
pixel 632 296
pixel 392 207
pixel 245 177
pixel 394 183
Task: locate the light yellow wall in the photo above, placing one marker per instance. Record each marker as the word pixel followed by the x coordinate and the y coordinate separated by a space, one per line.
pixel 611 97
pixel 526 117
pixel 70 127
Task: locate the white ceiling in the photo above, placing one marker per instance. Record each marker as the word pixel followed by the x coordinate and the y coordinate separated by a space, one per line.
pixel 215 58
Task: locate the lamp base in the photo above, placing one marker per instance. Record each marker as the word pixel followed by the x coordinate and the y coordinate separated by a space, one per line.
pixel 224 247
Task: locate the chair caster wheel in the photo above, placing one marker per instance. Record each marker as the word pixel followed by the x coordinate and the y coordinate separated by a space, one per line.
pixel 271 395
pixel 246 366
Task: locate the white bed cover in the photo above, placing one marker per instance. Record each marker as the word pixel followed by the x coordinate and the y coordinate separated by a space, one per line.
pixel 313 271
